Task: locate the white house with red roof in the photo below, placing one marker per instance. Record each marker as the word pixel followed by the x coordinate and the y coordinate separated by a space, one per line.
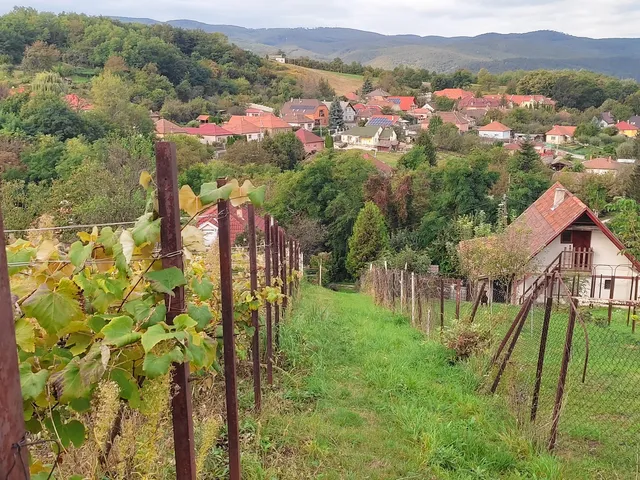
pixel 209 133
pixel 560 134
pixel 602 166
pixel 495 131
pixel 312 142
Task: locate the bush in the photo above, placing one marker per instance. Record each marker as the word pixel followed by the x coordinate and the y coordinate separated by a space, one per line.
pixel 466 339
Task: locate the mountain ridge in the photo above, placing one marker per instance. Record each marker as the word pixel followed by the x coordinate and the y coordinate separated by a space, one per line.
pixel 497 52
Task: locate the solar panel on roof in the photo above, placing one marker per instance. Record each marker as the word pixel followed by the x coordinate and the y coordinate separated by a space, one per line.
pixel 380 122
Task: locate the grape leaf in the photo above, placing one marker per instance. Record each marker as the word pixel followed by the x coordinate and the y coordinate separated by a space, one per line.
pixel 189 201
pixel 196 354
pixel 155 335
pixel 23 255
pixel 157 365
pixel 257 195
pixel 210 193
pixel 120 329
pixel 193 239
pixel 79 253
pixel 166 280
pixel 25 335
pixel 184 322
pixel 75 432
pixel 127 245
pixel 54 310
pixel 107 239
pixel 32 384
pixel 128 386
pixel 96 323
pixel 145 179
pixel 159 314
pixel 203 288
pixel 146 230
pixel 78 343
pixel 140 308
pixel 200 314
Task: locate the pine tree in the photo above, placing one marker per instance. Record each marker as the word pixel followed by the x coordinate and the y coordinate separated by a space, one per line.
pixel 336 115
pixel 425 141
pixel 369 238
pixel 633 186
pixel 325 90
pixel 367 86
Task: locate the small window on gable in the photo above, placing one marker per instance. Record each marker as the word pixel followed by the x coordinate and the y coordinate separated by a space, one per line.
pixel 607 284
pixel 566 237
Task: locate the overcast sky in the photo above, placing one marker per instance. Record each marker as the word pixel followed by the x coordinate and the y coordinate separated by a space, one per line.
pixel 592 18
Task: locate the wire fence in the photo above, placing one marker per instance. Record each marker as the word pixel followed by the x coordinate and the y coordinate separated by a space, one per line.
pixel 568 365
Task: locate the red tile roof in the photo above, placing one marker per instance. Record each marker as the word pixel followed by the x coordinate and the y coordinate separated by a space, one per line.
pixel 241 125
pixel 452 117
pixel 203 117
pixel 209 129
pixel 602 164
pixel 352 97
pixel 625 126
pixel 495 127
pixel 165 127
pixel 454 93
pixel 238 219
pixel 562 130
pixel 405 103
pixel 307 137
pixel 77 103
pixel 483 102
pixel 269 121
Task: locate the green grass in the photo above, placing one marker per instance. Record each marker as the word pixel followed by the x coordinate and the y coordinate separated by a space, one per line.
pixel 390 158
pixel 362 395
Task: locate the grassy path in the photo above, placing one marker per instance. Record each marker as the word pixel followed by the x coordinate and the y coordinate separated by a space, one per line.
pixel 364 396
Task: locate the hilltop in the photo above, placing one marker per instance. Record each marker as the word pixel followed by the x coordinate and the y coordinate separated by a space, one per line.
pixel 496 52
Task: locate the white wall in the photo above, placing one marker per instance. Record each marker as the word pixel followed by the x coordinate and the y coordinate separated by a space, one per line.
pixel 496 135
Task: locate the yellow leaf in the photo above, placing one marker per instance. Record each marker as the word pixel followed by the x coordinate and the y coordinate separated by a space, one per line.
pixel 126 240
pixel 189 201
pixel 145 179
pixel 193 239
pixel 46 250
pixel 238 194
pixel 88 237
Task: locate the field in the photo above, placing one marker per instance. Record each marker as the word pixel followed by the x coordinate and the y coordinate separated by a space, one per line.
pixel 342 83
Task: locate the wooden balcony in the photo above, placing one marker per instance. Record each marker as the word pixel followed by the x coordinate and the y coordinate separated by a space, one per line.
pixel 577 260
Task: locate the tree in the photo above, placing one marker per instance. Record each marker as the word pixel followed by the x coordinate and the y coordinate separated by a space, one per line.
pixel 47 82
pixel 286 150
pixel 328 141
pixel 336 115
pixel 116 64
pixel 633 185
pixel 50 115
pixel 40 57
pixel 245 153
pixel 367 86
pixel 189 151
pixel 325 90
pixel 443 104
pixel 369 238
pixel 413 158
pixel 529 178
pixel 435 122
pixel 425 141
pixel 626 224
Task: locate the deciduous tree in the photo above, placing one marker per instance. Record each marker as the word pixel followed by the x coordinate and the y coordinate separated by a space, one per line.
pixel 369 238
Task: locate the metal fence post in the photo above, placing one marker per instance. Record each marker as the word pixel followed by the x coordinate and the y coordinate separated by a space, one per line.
pixel 291 260
pixel 283 270
pixel 255 321
pixel 12 428
pixel 275 247
pixel 613 286
pixel 476 304
pixel 171 242
pixel 458 298
pixel 268 307
pixel 226 295
pixel 413 299
pixel 401 291
pixel 441 304
pixel 541 353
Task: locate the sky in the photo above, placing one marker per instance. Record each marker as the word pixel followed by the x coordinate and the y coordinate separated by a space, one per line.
pixel 589 18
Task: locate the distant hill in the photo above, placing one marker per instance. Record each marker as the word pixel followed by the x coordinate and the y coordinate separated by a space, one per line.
pixel 496 52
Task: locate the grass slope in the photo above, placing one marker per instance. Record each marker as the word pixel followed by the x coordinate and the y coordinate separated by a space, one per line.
pixel 342 83
pixel 365 396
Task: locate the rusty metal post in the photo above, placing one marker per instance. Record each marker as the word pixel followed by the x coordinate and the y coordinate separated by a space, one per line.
pixel 541 353
pixel 283 269
pixel 562 379
pixel 441 304
pixel 630 300
pixel 613 286
pixel 12 428
pixel 633 323
pixel 476 304
pixel 507 336
pixel 275 248
pixel 228 337
pixel 458 298
pixel 255 321
pixel 268 307
pixel 291 260
pixel 171 242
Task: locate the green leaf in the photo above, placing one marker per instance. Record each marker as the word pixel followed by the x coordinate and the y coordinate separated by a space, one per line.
pixel 96 323
pixel 54 310
pixel 116 329
pixel 155 335
pixel 75 432
pixel 157 365
pixel 257 196
pixel 201 314
pixel 80 253
pixel 128 386
pixel 78 343
pixel 25 335
pixel 70 432
pixel 24 255
pixel 164 281
pixel 80 405
pixel 184 322
pixel 32 384
pixel 197 355
pixel 107 239
pixel 210 193
pixel 203 288
pixel 146 230
pixel 159 315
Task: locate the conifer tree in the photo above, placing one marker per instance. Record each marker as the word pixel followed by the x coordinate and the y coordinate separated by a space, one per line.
pixel 369 238
pixel 367 86
pixel 336 115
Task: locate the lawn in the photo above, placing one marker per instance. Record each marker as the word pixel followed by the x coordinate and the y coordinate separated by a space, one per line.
pixel 342 83
pixel 362 395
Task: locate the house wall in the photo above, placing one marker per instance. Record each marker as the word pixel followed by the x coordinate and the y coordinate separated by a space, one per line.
pixel 600 171
pixel 349 115
pixel 629 133
pixel 496 135
pixel 322 115
pixel 558 139
pixel 254 136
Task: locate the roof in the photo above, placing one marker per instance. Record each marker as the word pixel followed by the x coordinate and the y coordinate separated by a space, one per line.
pixel 77 103
pixel 298 118
pixel 602 164
pixel 545 223
pixel 381 166
pixel 452 117
pixel 209 130
pixel 453 93
pixel 635 120
pixel 378 92
pixel 269 121
pixel 165 127
pixel 351 96
pixel 495 127
pixel 203 117
pixel 386 134
pixel 608 117
pixel 405 103
pixel 562 130
pixel 368 131
pixel 369 111
pixel 239 125
pixel 623 126
pixel 307 137
pixel 482 102
pixel 238 219
pixel 253 110
pixel 343 105
pixel 301 105
pixel 383 120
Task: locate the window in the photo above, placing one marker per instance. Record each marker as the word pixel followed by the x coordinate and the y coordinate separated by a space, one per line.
pixel 607 284
pixel 566 237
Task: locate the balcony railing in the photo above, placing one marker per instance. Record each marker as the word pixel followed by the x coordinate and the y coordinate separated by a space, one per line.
pixel 577 259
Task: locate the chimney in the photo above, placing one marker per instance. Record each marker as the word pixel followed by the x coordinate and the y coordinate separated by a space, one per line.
pixel 559 197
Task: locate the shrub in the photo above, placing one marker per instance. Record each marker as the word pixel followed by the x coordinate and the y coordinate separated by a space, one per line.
pixel 466 339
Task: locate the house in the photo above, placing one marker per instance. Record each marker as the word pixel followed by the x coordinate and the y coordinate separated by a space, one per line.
pixel 278 58
pixel 377 94
pixel 351 97
pixel 165 127
pixel 262 108
pixel 421 113
pixel 560 134
pixel 627 129
pixel 476 114
pixel 603 166
pixel 530 101
pixel 370 137
pixel 238 223
pixel 384 104
pixel 253 112
pixel 243 126
pixel 605 119
pixel 269 123
pixel 348 112
pixel 454 93
pixel 405 104
pixel 383 120
pixel 496 131
pixel 365 112
pixel 635 120
pixel 388 140
pixel 203 118
pixel 456 118
pixel 209 133
pixel 312 142
pixel 311 107
pixel 484 103
pixel 564 235
pixel 299 120
pixel 77 103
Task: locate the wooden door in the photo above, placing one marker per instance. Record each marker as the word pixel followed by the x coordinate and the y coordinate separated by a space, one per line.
pixel 582 245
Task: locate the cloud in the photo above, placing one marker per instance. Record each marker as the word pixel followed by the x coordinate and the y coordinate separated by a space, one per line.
pixel 611 18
